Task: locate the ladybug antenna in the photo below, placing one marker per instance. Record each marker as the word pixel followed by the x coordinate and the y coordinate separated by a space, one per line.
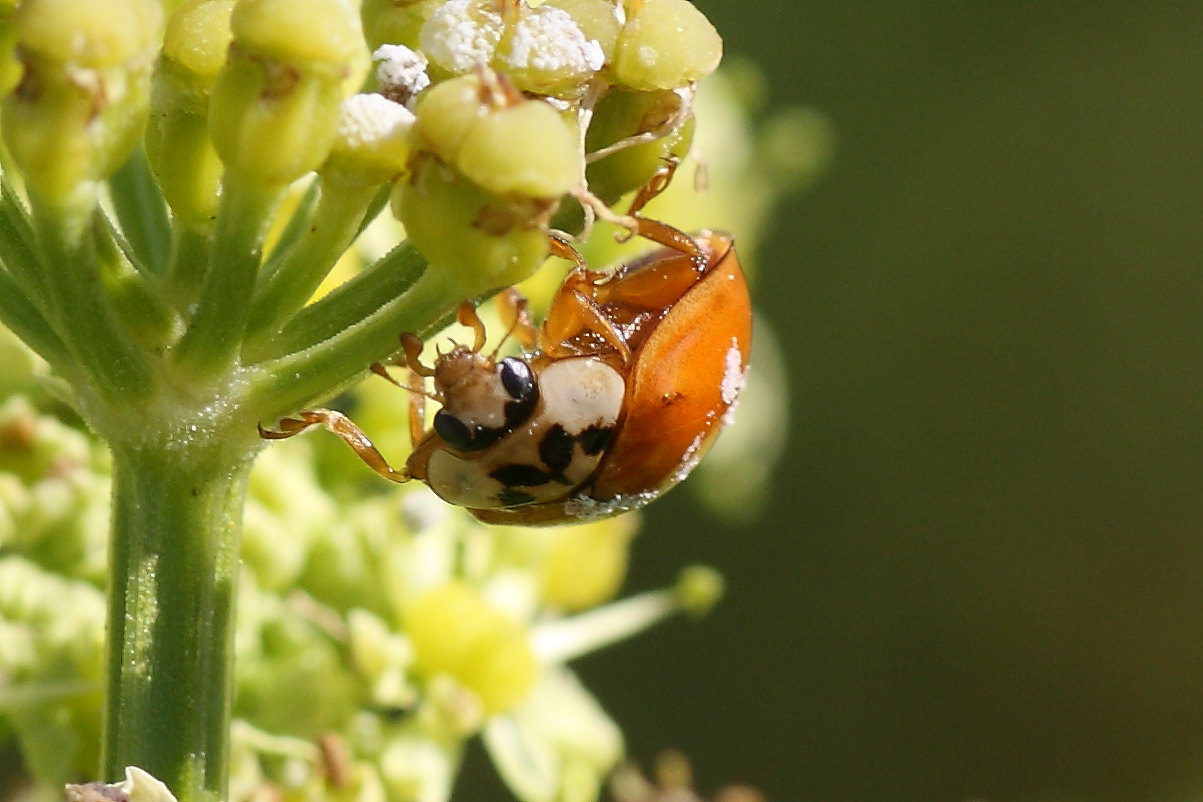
pixel 382 372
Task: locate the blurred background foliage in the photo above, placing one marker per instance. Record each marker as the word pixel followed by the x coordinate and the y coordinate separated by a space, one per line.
pixel 981 576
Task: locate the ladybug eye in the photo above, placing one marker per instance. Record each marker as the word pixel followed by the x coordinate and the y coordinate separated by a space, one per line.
pixel 517 379
pixel 453 431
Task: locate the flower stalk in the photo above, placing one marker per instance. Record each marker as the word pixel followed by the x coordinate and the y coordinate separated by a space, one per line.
pixel 173 577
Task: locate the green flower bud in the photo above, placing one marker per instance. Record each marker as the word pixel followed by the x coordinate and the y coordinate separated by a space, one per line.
pixel 177 137
pixel 621 114
pixel 198 37
pixel 455 632
pixel 299 32
pixel 80 106
pixel 395 22
pixel 10 66
pixel 446 112
pixel 527 149
pixel 664 44
pixel 274 109
pixel 461 35
pixel 488 241
pixel 89 33
pixel 505 143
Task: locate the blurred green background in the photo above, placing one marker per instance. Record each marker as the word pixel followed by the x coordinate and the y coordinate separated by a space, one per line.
pixel 982 574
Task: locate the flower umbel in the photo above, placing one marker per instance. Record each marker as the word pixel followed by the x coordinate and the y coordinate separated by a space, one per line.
pixel 176 189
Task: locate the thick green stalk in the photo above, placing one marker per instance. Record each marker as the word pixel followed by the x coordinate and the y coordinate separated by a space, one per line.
pixel 177 516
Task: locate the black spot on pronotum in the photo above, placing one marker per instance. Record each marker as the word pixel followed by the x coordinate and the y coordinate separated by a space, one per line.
pixel 514 475
pixel 516 377
pixel 555 449
pixel 595 439
pixel 453 430
pixel 519 382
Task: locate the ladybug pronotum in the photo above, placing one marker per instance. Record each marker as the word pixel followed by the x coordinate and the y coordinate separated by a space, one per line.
pixel 624 386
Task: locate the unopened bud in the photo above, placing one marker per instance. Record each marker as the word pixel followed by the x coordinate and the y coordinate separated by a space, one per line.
pixel 664 44
pixel 274 109
pixel 623 114
pixel 178 147
pixel 81 103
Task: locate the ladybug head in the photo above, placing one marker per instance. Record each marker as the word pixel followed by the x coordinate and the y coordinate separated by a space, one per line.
pixel 483 399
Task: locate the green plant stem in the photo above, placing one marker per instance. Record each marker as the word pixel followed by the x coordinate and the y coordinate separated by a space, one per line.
pixel 24 320
pixel 214 336
pixel 177 512
pixel 191 247
pixel 86 322
pixel 18 244
pixel 304 378
pixel 143 215
pixel 347 304
pixel 287 284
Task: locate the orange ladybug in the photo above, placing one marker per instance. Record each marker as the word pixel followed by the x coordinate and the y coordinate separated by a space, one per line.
pixel 631 375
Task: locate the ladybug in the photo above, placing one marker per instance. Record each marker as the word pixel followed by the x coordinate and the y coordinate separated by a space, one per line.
pixel 624 386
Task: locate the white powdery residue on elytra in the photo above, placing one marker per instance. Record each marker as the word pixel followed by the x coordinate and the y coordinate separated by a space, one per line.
pixel 586 508
pixel 366 119
pixel 549 40
pixel 690 460
pixel 733 374
pixel 460 35
pixel 401 71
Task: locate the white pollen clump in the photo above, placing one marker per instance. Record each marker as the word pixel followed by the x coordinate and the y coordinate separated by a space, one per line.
pixel 401 71
pixel 460 35
pixel 548 40
pixel 733 374
pixel 369 121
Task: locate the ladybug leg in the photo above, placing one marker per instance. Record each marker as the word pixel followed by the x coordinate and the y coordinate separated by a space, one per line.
pixel 667 236
pixel 659 182
pixel 515 313
pixel 417 409
pixel 286 427
pixel 576 311
pixel 342 426
pixel 411 345
pixel 417 400
pixel 563 249
pixel 466 316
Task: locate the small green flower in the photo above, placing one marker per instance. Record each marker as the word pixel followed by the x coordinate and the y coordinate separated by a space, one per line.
pixel 81 102
pixel 274 110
